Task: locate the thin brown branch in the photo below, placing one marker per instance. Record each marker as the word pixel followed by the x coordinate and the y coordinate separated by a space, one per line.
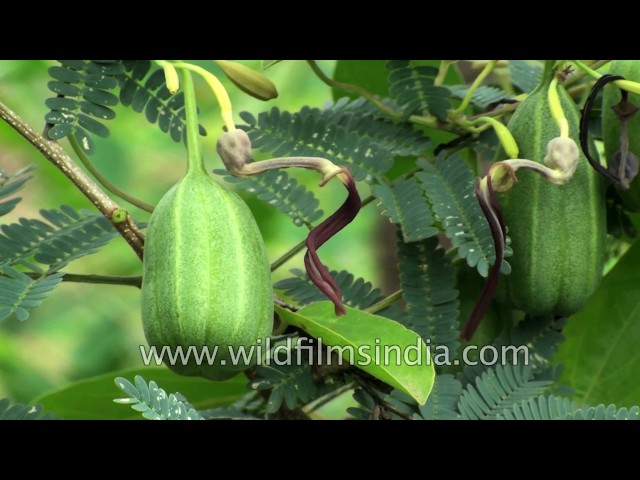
pixel 53 152
pixel 96 279
pixel 101 279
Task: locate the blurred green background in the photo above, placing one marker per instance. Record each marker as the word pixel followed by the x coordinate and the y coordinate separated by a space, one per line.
pixel 84 330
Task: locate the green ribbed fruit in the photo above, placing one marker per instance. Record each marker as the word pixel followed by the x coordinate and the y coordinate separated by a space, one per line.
pixel 557 231
pixel 630 69
pixel 207 279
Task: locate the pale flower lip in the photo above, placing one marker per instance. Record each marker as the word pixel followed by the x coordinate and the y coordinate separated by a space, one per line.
pixel 317 272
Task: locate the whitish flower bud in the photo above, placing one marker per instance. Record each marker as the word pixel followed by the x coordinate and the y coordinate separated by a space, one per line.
pixel 562 156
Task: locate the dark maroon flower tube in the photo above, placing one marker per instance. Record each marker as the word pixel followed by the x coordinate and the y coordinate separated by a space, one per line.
pixel 493 212
pixel 317 272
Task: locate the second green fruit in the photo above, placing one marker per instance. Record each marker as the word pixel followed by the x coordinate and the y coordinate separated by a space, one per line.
pixel 557 231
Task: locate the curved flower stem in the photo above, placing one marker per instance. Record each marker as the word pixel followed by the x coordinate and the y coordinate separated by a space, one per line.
pixel 288 255
pixel 195 159
pixel 170 76
pixel 628 85
pixel 358 90
pixel 235 151
pixel 427 121
pixel 101 178
pixel 474 86
pixel 504 135
pixel 218 90
pixel 443 69
pixel 385 302
pixel 555 107
pixel 581 73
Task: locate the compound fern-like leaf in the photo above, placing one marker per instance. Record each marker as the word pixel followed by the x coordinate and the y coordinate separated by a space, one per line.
pixel 68 235
pixel 413 90
pixel 143 88
pixel 406 206
pixel 10 184
pixel 19 411
pixel 88 90
pixel 558 408
pixel 449 185
pixel 365 119
pixel 293 135
pixel 533 341
pixel 356 292
pixel 482 97
pixel 291 384
pixel 525 74
pixel 280 190
pixel 429 285
pixel 19 292
pixel 497 389
pixel 443 401
pixel 83 101
pixel 153 402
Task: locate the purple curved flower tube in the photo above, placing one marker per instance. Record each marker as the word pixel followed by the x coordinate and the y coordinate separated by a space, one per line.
pixel 493 212
pixel 317 272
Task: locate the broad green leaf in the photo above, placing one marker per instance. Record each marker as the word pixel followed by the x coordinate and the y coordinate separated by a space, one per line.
pixel 372 75
pixel 600 354
pixel 368 74
pixel 92 399
pixel 367 337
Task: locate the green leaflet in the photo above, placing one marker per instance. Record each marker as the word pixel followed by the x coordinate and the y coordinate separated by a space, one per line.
pixel 368 74
pixel 68 235
pixel 525 74
pixel 19 292
pixel 449 185
pixel 363 334
pixel 406 206
pixel 430 293
pixel 92 398
pixel 348 133
pixel 292 384
pixel 282 191
pixel 19 411
pixel 412 87
pixel 86 90
pixel 153 402
pixel 482 97
pixel 499 388
pixel 443 401
pixel 558 408
pixel 357 292
pixel 10 184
